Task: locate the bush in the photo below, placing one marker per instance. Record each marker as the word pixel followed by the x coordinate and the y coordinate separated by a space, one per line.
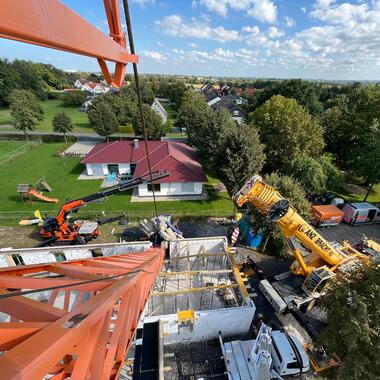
pixel 74 98
pixel 53 95
pixel 126 129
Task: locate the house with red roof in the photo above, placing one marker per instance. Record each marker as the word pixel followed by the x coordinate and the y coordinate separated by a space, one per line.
pixel 129 157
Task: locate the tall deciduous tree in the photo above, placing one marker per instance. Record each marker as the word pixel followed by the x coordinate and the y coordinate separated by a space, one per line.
pixel 353 324
pixel 193 114
pixel 103 120
pixel 25 110
pixel 364 160
pixel 306 93
pixel 153 123
pixel 239 156
pixel 74 98
pixel 287 130
pixel 309 173
pixel 62 124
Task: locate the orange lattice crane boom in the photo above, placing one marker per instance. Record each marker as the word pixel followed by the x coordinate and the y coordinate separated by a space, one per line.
pixel 51 24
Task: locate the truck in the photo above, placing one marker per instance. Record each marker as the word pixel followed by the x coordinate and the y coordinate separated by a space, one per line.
pixel 271 355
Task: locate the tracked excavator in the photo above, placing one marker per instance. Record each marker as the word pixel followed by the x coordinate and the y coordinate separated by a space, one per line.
pixel 316 259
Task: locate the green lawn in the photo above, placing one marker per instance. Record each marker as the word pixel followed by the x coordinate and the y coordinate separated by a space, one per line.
pixel 51 107
pixel 62 173
pixel 9 146
pixel 374 195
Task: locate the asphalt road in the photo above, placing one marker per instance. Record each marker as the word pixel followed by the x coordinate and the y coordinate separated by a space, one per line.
pixel 351 233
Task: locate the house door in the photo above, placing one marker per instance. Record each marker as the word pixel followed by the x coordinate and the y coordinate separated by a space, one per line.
pixel 133 168
pixel 113 168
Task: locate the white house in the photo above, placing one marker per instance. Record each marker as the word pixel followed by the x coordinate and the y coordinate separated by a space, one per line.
pixel 91 87
pixel 129 157
pixel 159 110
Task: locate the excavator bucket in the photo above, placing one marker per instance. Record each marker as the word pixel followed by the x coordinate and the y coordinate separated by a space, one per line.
pixel 77 319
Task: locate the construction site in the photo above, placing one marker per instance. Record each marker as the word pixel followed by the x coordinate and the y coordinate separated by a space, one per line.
pixel 167 298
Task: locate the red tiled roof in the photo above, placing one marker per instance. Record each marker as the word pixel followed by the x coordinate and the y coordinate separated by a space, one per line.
pixel 177 158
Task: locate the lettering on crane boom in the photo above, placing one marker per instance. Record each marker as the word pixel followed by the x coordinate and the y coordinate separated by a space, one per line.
pixel 308 232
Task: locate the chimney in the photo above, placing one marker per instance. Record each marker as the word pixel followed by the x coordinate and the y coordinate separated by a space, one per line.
pixel 136 143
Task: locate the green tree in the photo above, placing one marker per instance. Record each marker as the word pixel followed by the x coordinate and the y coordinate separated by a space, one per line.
pixel 175 93
pixel 334 177
pixel 62 124
pixel 9 81
pixel 153 123
pixel 364 158
pixel 239 156
pixel 291 190
pixel 353 324
pixel 287 130
pixel 103 120
pixel 74 98
pixel 309 173
pixel 193 114
pixel 25 110
pixel 306 93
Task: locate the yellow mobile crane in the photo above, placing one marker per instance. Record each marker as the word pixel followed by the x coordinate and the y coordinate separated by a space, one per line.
pixel 321 260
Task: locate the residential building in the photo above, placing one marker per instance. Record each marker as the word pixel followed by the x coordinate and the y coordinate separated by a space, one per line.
pixel 235 111
pixel 128 157
pixel 92 88
pixel 158 108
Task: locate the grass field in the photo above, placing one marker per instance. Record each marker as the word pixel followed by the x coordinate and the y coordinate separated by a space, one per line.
pixel 51 107
pixel 9 146
pixel 62 173
pixel 374 195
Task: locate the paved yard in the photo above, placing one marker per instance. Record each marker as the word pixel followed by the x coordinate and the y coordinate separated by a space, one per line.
pixel 351 233
pixel 81 148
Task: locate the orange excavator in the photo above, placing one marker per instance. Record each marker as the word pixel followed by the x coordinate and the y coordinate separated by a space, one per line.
pixel 61 229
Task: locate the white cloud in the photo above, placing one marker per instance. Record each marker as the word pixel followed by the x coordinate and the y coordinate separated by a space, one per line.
pixel 289 22
pixel 303 10
pixel 143 2
pixel 192 44
pixel 346 13
pixel 155 55
pixel 264 11
pixel 273 32
pixel 176 26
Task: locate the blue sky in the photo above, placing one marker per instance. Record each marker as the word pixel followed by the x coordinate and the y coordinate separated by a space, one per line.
pixel 327 39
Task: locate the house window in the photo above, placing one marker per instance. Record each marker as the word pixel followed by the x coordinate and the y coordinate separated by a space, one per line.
pixel 113 169
pixel 156 187
pixel 187 187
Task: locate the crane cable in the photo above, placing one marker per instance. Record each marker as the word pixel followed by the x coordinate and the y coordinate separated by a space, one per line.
pixel 137 83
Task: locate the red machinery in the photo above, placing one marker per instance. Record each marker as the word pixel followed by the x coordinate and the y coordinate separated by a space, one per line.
pixel 61 229
pixel 50 23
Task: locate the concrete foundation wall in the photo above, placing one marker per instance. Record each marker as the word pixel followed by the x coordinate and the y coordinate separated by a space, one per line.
pixel 194 246
pixel 173 188
pixel 231 321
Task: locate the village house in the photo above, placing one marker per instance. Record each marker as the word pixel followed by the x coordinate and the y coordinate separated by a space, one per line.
pixel 128 157
pixel 158 108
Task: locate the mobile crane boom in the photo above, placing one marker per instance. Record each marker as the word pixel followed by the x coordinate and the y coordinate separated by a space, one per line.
pixel 321 259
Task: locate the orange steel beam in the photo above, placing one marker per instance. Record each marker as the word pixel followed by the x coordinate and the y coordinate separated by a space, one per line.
pixel 51 24
pixel 80 331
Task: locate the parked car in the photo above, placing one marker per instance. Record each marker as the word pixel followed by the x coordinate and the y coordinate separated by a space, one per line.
pixel 326 215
